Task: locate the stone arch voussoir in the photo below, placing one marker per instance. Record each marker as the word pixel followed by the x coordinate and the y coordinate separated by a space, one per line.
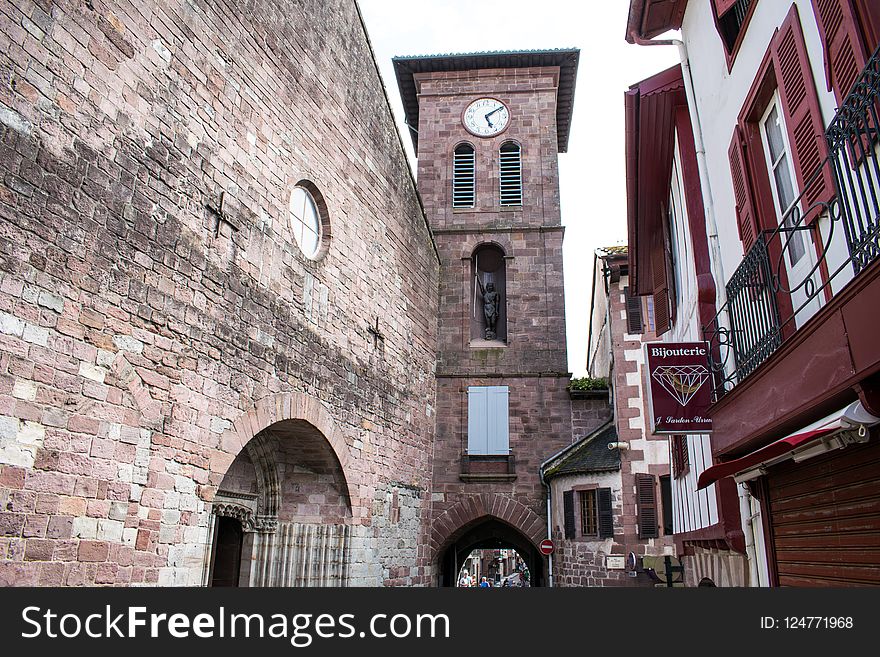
pixel 449 524
pixel 277 408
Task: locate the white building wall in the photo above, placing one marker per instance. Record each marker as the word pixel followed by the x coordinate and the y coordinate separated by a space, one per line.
pixel 720 96
pixel 692 509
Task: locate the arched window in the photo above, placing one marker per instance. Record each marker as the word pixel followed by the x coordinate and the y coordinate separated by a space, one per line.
pixel 489 295
pixel 510 160
pixel 463 176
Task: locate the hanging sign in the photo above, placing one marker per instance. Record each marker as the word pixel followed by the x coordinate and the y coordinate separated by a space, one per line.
pixel 679 387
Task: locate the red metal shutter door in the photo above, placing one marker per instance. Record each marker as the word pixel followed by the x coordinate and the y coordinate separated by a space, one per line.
pixel 800 106
pixel 825 515
pixel 842 46
pixel 746 220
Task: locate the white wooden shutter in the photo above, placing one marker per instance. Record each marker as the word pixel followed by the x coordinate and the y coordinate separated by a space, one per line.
pixel 498 430
pixel 478 420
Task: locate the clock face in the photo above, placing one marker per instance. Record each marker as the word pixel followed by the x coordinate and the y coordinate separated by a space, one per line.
pixel 486 117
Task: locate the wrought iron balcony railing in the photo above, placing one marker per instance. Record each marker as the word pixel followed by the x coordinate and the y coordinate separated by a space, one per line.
pixel 775 291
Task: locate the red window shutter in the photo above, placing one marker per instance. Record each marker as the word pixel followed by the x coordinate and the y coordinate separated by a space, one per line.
pixel 646 506
pixel 634 322
pixel 746 220
pixel 661 288
pixel 723 6
pixel 800 106
pixel 844 53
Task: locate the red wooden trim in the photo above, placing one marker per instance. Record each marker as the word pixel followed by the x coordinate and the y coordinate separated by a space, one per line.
pixel 723 6
pixel 868 13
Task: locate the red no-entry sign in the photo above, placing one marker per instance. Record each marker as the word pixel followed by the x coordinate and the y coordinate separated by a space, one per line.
pixel 546 547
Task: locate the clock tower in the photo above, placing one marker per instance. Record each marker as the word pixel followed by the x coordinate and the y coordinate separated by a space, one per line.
pixel 487 128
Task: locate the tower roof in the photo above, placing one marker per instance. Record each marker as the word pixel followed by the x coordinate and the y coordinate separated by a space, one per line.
pixel 565 58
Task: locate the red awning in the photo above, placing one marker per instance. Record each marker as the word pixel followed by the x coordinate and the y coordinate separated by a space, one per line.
pixel 773 450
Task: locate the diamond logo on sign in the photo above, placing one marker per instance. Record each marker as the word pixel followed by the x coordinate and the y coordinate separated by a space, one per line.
pixel 681 381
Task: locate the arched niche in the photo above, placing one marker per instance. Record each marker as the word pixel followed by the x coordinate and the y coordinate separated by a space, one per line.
pixel 488 276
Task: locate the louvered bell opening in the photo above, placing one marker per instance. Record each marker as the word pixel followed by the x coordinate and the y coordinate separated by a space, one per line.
pixel 463 176
pixel 511 174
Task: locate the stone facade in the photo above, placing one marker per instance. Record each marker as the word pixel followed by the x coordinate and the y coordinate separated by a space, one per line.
pixel 156 314
pixel 582 561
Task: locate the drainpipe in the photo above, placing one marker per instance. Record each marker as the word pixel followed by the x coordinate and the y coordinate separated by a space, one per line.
pixel 696 126
pixel 745 512
pixel 549 526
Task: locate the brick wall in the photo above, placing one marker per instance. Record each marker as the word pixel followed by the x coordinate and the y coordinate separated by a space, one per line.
pixel 137 330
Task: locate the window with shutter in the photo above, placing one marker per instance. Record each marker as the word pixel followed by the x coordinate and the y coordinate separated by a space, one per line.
pixel 646 506
pixel 463 176
pixel 488 421
pixel 731 19
pixel 568 513
pixel 510 174
pixel 800 103
pixel 633 312
pixel 844 52
pixel 606 517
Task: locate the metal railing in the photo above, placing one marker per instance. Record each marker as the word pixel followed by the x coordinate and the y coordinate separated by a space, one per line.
pixel 769 297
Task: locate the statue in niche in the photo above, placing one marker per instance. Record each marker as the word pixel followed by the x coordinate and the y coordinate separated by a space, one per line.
pixel 491 307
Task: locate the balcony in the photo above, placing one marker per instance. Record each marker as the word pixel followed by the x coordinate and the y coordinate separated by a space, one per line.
pixel 788 301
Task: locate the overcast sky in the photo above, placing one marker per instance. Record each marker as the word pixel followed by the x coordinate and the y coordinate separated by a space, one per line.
pixel 592 173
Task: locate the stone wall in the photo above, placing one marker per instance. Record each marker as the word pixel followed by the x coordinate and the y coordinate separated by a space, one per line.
pixel 151 293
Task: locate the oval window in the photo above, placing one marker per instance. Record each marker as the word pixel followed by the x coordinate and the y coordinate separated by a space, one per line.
pixel 305 221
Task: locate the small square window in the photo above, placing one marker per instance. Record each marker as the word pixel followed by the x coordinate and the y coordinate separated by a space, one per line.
pixel 589 515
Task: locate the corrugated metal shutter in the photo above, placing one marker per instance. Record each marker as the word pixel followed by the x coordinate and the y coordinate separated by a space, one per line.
pixel 825 515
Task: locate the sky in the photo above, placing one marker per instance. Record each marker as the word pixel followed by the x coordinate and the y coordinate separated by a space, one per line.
pixel 592 172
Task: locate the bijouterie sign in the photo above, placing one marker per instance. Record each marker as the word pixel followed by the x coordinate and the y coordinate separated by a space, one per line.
pixel 679 386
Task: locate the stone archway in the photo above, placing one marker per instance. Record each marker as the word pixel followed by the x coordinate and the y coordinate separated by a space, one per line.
pixel 486 521
pixel 281 475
